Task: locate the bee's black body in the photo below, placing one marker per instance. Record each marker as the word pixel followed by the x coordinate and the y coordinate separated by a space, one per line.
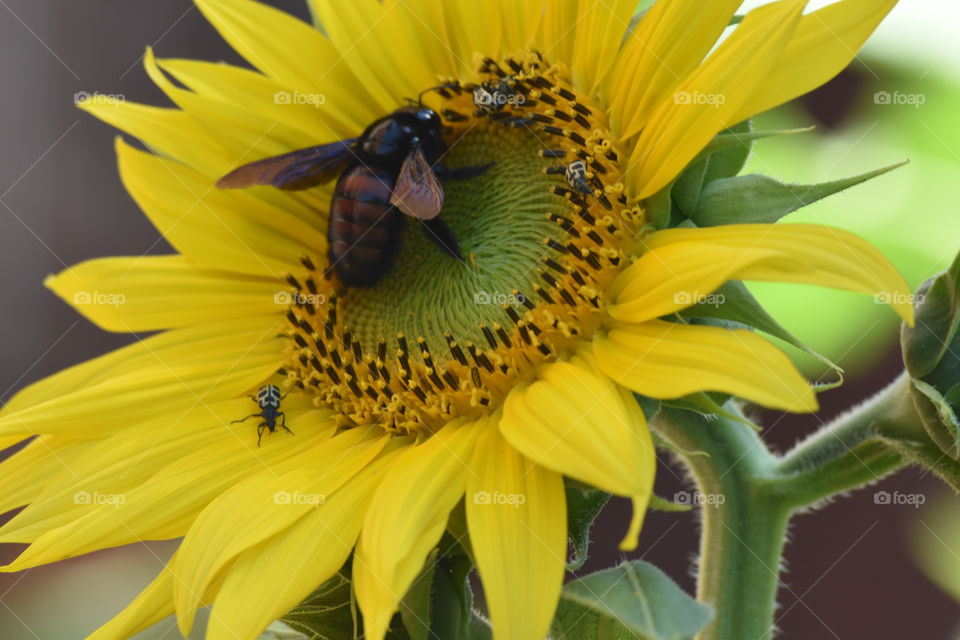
pixel 389 170
pixel 365 228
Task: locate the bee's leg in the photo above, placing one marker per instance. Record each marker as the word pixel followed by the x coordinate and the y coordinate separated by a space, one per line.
pixel 283 423
pixel 260 429
pixel 460 173
pixel 252 415
pixel 438 231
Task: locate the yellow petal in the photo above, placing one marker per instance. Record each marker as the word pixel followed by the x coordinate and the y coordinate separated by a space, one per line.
pixel 575 421
pixel 668 44
pixel 28 473
pixel 276 575
pixel 668 360
pixel 170 347
pixel 517 518
pixel 168 131
pixel 600 28
pixel 123 462
pixel 224 361
pixel 710 98
pixel 238 88
pixel 165 505
pixel 261 506
pixel 152 605
pixel 426 21
pixel 682 265
pixel 673 277
pixel 147 293
pixel 559 31
pixel 407 517
pixel 231 230
pixel 824 44
pixel 472 28
pixel 520 22
pixel 377 44
pixel 243 135
pixel 293 53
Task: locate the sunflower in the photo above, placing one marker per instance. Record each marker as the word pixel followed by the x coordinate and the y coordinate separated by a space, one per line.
pixel 485 382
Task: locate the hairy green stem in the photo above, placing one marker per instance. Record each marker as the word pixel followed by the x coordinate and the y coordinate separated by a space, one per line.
pixel 743 531
pixel 747 495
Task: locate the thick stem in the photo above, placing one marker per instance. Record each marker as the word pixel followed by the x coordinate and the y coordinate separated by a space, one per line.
pixel 850 451
pixel 743 528
pixel 747 495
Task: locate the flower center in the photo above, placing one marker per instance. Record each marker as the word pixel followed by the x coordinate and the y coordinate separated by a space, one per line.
pixel 542 233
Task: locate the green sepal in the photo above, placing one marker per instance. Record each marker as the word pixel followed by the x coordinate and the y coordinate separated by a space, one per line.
pixel 650 406
pixel 709 404
pixel 662 504
pixel 329 612
pixel 686 189
pixel 415 605
pixel 658 208
pixel 732 139
pixel 756 198
pixel 733 302
pixel 663 443
pixel 729 161
pixel 634 600
pixel 927 346
pixel 583 507
pixel 938 416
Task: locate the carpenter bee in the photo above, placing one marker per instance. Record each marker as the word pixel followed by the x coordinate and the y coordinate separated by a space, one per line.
pixel 391 168
pixel 268 399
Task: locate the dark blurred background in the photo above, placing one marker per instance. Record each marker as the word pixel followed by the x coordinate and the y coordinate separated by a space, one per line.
pixel 851 573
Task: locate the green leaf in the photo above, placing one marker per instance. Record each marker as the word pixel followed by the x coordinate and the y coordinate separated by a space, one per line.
pixel 659 208
pixel 708 405
pixel 734 302
pixel 415 604
pixel 938 320
pixel 938 416
pixel 634 600
pixel 328 613
pixel 755 198
pixel 479 628
pixel 583 507
pixel 451 609
pixel 729 161
pixel 732 139
pixel 686 190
